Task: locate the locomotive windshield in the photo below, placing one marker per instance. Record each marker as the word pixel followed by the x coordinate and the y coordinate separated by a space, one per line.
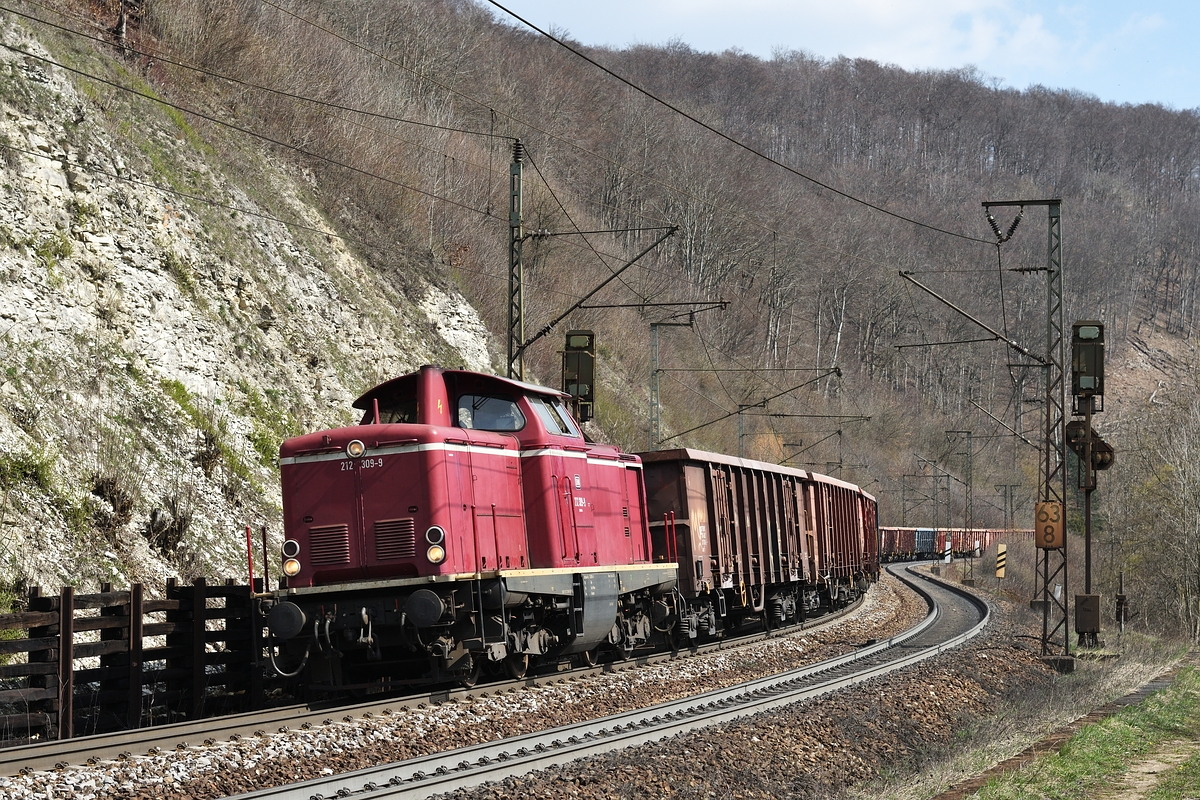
pixel 489 413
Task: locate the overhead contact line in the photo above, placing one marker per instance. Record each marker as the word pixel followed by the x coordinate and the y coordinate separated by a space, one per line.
pixel 728 138
pixel 246 131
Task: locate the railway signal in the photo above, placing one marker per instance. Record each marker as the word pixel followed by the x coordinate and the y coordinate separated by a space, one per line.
pixel 1080 437
pixel 1087 398
pixel 579 373
pixel 1087 365
pixel 1001 560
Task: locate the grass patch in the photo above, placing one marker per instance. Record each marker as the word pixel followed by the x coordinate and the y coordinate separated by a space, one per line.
pixel 1180 783
pixel 11 599
pixel 271 426
pixel 181 271
pixel 215 444
pixel 53 248
pixel 17 468
pixel 1100 753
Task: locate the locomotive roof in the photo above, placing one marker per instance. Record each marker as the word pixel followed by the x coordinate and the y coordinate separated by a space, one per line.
pixel 688 454
pixel 388 387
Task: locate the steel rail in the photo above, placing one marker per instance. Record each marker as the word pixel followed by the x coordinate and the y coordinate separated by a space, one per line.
pixel 471 766
pixel 119 745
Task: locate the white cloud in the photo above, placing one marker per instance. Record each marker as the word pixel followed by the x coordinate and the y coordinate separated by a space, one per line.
pixel 1102 46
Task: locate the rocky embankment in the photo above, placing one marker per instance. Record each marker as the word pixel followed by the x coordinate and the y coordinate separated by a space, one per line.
pixel 171 307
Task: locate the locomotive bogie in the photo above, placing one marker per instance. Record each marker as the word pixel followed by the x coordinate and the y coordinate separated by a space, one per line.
pixel 426 631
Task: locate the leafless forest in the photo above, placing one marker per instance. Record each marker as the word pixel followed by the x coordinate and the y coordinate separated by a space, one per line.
pixel 802 188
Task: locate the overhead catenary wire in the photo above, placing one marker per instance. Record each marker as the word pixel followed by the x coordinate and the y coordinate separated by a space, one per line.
pixel 159 56
pixel 335 162
pixel 241 129
pixel 199 198
pixel 727 137
pixel 732 213
pixel 300 98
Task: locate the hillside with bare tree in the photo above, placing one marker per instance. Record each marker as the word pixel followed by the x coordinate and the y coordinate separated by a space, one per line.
pixel 801 187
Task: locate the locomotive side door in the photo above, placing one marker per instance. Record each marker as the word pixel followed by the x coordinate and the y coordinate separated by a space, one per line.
pixel 580 490
pixel 490 472
pixel 459 497
pixel 633 504
pixel 564 502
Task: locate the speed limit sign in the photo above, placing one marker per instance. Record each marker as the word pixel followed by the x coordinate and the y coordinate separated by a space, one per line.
pixel 1048 529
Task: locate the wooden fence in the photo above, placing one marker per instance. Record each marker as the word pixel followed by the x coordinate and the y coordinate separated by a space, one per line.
pixel 76 664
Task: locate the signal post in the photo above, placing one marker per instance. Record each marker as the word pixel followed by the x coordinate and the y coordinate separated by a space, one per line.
pixel 1087 393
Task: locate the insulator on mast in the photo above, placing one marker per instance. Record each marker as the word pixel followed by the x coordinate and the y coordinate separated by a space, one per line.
pixel 995 227
pixel 1016 221
pixel 1001 238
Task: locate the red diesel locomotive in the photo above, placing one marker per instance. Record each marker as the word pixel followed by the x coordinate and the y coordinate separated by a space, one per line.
pixel 466 521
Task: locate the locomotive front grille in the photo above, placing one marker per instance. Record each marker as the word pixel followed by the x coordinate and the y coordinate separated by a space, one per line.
pixel 395 538
pixel 330 545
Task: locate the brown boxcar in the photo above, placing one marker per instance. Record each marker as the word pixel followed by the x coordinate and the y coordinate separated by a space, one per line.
pixel 752 537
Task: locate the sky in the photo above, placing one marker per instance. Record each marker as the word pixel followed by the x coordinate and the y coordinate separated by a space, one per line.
pixel 1121 52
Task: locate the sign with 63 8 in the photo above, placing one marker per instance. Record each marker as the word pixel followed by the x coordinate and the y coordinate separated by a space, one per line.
pixel 1048 528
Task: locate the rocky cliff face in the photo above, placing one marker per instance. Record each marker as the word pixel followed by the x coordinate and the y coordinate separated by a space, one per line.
pixel 171 307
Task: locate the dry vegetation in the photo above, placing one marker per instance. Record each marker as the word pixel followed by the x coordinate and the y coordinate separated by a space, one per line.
pixel 401 115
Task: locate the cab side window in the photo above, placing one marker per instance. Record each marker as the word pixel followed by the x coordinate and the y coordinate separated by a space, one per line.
pixel 398 411
pixel 556 419
pixel 488 413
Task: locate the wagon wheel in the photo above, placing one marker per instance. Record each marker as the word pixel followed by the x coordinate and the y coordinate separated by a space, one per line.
pixel 516 665
pixel 589 658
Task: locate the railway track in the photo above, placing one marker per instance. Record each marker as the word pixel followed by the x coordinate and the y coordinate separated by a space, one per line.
pixel 955 616
pixel 201 733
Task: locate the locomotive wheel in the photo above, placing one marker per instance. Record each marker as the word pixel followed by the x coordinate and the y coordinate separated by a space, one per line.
pixel 516 665
pixel 589 658
pixel 469 680
pixel 624 649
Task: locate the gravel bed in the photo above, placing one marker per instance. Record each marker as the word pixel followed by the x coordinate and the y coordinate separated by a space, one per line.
pixel 229 768
pixel 816 749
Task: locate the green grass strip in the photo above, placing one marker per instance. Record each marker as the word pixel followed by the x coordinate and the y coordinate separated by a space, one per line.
pixel 1180 783
pixel 1098 754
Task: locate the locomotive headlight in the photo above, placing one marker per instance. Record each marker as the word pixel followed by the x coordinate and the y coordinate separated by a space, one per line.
pixel 291 567
pixel 291 548
pixel 355 449
pixel 435 535
pixel 436 554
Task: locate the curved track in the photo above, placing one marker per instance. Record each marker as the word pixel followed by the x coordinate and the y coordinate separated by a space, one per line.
pixel 181 736
pixel 955 616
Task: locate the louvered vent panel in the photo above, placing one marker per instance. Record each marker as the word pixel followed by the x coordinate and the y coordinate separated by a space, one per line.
pixel 330 545
pixel 395 538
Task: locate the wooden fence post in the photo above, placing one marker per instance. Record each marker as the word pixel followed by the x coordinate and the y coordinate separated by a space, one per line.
pixel 256 688
pixel 198 682
pixel 136 667
pixel 66 663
